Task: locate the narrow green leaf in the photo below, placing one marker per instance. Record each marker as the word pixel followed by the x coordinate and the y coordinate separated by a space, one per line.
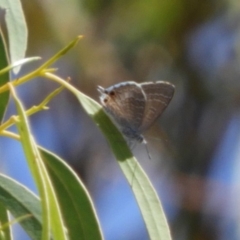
pixel 77 208
pixel 145 194
pixel 4 78
pixel 60 53
pixel 17 29
pixel 52 218
pixel 20 201
pixel 2 236
pixel 32 157
pixel 18 63
pixel 4 218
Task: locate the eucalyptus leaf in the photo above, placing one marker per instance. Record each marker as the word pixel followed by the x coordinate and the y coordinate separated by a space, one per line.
pixel 16 28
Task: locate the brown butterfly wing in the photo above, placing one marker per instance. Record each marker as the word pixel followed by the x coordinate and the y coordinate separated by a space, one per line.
pixel 125 102
pixel 158 96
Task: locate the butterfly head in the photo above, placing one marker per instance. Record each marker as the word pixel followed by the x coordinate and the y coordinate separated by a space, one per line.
pixel 106 95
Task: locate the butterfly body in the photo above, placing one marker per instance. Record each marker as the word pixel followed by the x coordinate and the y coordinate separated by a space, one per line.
pixel 135 107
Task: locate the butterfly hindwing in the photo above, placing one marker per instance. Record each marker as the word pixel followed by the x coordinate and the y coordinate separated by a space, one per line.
pixel 158 96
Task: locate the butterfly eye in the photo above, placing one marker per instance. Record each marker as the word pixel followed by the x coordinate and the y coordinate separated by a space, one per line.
pixel 105 100
pixel 112 93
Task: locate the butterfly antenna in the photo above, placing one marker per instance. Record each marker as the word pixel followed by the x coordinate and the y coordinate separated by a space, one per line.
pixel 145 143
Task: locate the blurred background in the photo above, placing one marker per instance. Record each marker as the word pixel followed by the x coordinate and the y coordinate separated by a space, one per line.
pixel 195 145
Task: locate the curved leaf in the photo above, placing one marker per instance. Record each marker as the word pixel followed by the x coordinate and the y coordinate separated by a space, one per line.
pixel 77 208
pixel 52 219
pixel 18 63
pixel 4 78
pixel 17 29
pixel 145 194
pixel 20 201
pixel 5 233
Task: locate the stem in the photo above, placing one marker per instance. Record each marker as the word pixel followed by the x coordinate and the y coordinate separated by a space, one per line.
pixel 60 81
pixel 43 68
pixel 34 109
pixel 10 134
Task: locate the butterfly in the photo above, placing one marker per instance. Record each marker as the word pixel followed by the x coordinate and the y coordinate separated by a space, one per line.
pixel 134 107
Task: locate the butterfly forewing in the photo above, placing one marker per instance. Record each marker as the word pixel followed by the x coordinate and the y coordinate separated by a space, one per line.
pixel 126 104
pixel 158 95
